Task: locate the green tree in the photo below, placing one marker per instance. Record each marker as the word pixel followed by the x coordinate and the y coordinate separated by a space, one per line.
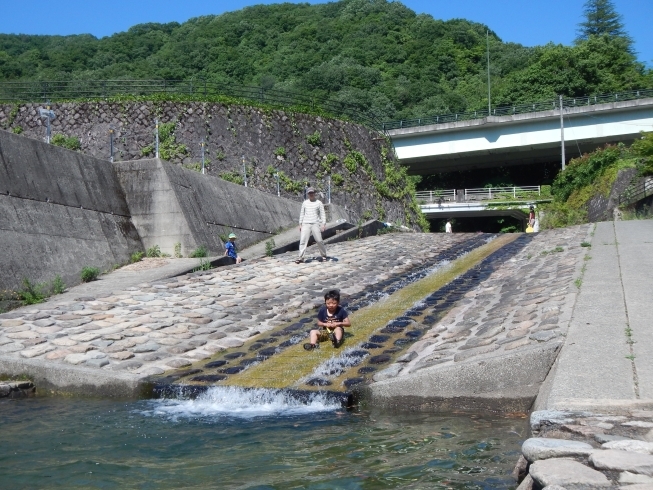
pixel 601 19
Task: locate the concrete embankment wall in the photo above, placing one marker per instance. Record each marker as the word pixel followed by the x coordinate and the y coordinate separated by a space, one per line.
pixel 59 211
pixel 172 205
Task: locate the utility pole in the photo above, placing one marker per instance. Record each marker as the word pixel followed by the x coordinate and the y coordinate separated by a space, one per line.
pixel 244 171
pixel 111 131
pixel 562 134
pixel 329 191
pixel 202 145
pixel 489 100
pixel 156 126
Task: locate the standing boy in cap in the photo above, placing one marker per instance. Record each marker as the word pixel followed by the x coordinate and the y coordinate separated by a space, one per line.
pixel 312 220
pixel 230 248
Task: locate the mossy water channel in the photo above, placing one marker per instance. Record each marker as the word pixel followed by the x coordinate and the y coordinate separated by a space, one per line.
pixel 386 320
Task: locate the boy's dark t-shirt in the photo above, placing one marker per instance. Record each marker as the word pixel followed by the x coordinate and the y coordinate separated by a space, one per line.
pixel 339 315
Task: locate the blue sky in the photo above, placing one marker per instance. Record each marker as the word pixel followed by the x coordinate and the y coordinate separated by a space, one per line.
pixel 526 22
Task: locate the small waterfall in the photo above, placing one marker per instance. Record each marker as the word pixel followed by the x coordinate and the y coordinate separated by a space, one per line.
pixel 230 401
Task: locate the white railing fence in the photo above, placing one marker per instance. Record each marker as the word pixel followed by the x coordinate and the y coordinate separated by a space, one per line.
pixel 441 196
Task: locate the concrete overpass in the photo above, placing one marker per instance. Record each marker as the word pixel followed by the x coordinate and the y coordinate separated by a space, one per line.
pixel 513 136
pixel 472 203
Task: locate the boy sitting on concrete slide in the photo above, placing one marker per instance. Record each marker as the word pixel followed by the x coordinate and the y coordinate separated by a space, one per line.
pixel 332 320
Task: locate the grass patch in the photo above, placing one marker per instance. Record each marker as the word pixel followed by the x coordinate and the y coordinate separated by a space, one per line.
pixel 31 294
pixel 199 252
pixel 136 257
pixel 153 252
pixel 269 247
pixel 205 265
pixel 585 244
pixel 552 251
pixel 89 274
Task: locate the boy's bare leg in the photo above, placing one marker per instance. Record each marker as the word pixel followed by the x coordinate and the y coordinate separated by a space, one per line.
pixel 314 336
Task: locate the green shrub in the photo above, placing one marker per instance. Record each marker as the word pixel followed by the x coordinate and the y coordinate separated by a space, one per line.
pixel 314 139
pixel 233 177
pixel 17 129
pixel 198 252
pixel 280 152
pixel 31 293
pixel 90 274
pixel 178 251
pixel 269 247
pixel 205 265
pixel 136 257
pixel 337 179
pixel 153 251
pixel 585 244
pixel 582 171
pixel 559 215
pixel 58 286
pixel 643 148
pixel 72 143
pixel 351 163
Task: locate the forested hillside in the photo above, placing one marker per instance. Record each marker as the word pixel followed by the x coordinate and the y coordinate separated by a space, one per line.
pixel 372 52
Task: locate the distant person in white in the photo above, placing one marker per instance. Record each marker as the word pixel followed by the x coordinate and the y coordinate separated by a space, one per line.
pixel 312 220
pixel 447 227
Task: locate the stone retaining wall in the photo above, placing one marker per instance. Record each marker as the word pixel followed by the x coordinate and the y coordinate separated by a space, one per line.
pixel 266 139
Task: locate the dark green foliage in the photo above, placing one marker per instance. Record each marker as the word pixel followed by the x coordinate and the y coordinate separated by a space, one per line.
pixel 169 150
pixel 72 143
pixel 90 274
pixel 643 148
pixel 153 251
pixel 314 139
pixel 31 293
pixel 269 247
pixel 601 18
pixel 582 171
pixel 377 54
pixel 136 257
pixel 58 286
pixel 199 252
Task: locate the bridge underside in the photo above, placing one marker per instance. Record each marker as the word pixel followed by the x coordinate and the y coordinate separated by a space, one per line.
pixel 473 213
pixel 525 155
pixel 520 139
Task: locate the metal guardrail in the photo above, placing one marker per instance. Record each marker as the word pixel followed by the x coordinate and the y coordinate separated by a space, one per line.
pixel 480 194
pixel 519 109
pixel 43 91
pixel 636 192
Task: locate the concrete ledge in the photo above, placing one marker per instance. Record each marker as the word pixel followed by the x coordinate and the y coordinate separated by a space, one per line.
pixel 507 382
pixel 369 228
pixel 64 379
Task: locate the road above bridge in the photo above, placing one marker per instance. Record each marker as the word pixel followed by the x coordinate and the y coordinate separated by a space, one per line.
pixel 518 139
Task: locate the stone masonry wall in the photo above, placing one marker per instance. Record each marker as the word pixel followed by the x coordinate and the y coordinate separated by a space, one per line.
pixel 304 148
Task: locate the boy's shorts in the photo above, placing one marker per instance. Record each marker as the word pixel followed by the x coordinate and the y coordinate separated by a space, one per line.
pixel 325 334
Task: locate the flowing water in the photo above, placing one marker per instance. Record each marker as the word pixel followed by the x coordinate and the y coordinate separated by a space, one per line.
pixel 256 439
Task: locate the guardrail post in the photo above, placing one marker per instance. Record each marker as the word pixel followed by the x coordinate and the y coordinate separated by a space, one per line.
pixel 430 196
pixel 489 191
pixel 539 190
pixel 514 193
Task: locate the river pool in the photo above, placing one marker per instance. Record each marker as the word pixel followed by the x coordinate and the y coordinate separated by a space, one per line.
pixel 258 439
